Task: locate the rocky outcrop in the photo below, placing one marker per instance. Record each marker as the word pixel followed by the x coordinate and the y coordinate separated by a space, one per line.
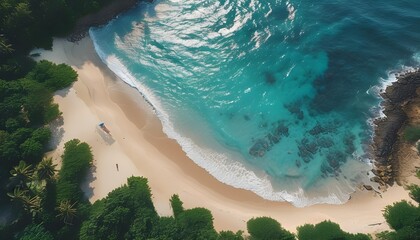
pixel 387 129
pixel 101 17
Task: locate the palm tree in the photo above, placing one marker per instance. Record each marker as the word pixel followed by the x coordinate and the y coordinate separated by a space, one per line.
pixel 33 205
pixel 67 211
pixel 18 194
pixel 29 204
pixel 4 46
pixel 21 175
pixel 45 170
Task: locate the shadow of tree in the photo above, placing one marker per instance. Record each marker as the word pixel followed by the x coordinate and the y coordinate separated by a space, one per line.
pixel 85 186
pixel 57 133
pixel 63 92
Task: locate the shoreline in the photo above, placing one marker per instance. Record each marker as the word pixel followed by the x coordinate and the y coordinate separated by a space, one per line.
pixel 139 146
pixel 101 17
pixel 399 99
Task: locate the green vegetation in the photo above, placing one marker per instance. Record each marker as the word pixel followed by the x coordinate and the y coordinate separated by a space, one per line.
pixel 326 230
pixel 26 105
pixel 401 214
pixel 53 207
pixel 33 232
pixel 129 212
pixel 126 211
pixel 265 228
pixel 229 235
pixel 42 211
pixel 53 76
pixel 25 24
pixel 415 192
pixel 176 205
pixel 412 133
pixel 404 218
pixel 77 159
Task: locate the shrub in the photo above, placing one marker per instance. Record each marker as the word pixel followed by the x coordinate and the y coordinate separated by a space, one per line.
pixel 165 228
pixel 52 112
pixel 266 228
pixel 33 231
pixel 176 205
pixel 229 235
pixel 53 76
pixel 127 211
pixel 77 158
pixel 196 223
pixel 326 230
pixel 31 150
pixel 401 214
pixel 412 133
pixel 415 192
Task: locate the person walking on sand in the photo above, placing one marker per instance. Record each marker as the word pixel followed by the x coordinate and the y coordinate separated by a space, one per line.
pixel 117 166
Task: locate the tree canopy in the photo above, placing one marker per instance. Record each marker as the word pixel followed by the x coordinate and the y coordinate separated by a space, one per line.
pixel 266 228
pixel 326 230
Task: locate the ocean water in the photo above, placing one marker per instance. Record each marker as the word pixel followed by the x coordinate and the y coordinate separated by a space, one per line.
pixel 273 96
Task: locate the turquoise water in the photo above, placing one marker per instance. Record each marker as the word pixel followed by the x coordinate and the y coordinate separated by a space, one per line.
pixel 271 96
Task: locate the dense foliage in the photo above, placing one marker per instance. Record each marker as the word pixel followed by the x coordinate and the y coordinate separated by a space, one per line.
pixel 25 24
pixel 326 230
pixel 415 192
pixel 176 205
pixel 412 133
pixel 33 232
pixel 26 105
pixel 77 159
pixel 404 218
pixel 265 228
pixel 401 214
pixel 126 211
pixel 53 76
pixel 42 211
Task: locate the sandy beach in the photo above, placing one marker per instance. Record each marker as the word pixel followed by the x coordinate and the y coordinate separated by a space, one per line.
pixel 140 148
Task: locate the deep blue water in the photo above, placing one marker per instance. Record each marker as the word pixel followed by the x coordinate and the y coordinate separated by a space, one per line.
pixel 271 96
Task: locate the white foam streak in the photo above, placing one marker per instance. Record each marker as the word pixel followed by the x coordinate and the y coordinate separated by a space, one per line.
pixel 377 90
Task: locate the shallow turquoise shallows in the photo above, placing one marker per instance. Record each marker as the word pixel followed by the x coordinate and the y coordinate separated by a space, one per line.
pixel 276 97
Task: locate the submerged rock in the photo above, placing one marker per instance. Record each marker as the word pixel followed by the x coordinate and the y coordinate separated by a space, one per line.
pixel 324 142
pixel 281 130
pixel 349 142
pixel 264 144
pixel 269 78
pixel 295 108
pixel 318 129
pixel 307 150
pixel 259 148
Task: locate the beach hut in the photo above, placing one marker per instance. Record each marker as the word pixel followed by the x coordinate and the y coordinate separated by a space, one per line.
pixel 104 128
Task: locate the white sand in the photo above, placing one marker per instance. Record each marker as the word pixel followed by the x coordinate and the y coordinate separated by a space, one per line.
pixel 140 148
